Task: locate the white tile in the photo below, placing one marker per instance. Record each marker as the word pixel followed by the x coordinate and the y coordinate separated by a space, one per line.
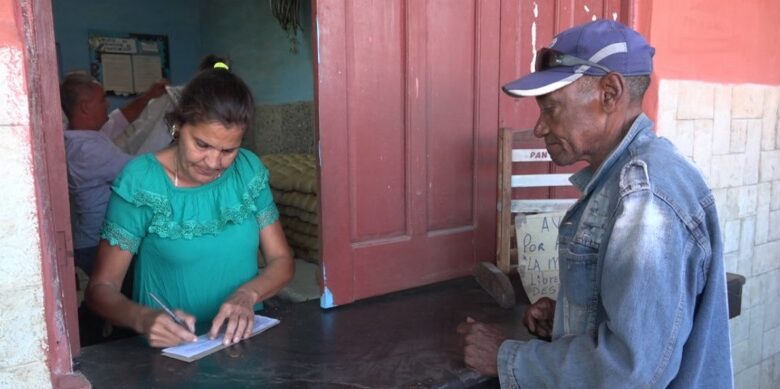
pixel 746 239
pixel 721 130
pixel 752 291
pixel 774 226
pixel 748 378
pixel 772 314
pixel 776 377
pixel 682 137
pixel 770 166
pixel 765 193
pixel 667 106
pixel 730 262
pixel 767 373
pixel 767 258
pixel 771 343
pixel 747 101
pixel 697 101
pixel 740 328
pixel 752 152
pixel 702 147
pixel 733 202
pixel 731 236
pixel 774 203
pixel 769 120
pixel 740 355
pixel 762 224
pixel 747 200
pixel 777 133
pixel 721 203
pixel 727 170
pixel 756 337
pixel 745 265
pixel 738 136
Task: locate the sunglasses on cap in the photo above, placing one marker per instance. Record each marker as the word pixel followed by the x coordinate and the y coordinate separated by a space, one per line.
pixel 548 58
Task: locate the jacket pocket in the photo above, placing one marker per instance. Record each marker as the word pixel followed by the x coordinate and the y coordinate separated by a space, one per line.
pixel 579 265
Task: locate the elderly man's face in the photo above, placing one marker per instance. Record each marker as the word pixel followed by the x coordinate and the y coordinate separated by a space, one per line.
pixel 572 124
pixel 97 106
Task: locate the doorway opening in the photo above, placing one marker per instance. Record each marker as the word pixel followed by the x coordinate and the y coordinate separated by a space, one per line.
pixel 275 63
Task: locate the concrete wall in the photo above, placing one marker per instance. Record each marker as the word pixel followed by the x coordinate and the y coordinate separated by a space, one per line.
pixel 246 32
pixel 731 133
pixel 717 62
pixel 23 334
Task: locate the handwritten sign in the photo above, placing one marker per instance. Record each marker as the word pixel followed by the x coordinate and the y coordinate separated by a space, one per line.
pixel 537 253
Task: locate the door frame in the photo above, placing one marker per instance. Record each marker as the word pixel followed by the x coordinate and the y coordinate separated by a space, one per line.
pixel 50 180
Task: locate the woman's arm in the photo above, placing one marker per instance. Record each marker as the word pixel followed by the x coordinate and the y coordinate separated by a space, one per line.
pixel 104 296
pixel 238 309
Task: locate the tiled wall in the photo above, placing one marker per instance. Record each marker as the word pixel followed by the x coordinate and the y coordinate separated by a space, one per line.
pixel 731 132
pixel 22 322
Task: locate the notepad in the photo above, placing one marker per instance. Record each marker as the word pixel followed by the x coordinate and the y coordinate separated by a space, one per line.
pixel 193 351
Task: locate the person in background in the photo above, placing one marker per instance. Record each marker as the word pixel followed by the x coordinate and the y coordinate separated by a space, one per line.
pixel 150 133
pixel 93 161
pixel 642 300
pixel 189 218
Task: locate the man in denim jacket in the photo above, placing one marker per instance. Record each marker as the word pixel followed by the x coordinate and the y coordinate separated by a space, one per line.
pixel 642 300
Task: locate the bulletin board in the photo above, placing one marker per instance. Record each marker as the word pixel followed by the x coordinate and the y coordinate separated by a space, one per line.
pixel 128 63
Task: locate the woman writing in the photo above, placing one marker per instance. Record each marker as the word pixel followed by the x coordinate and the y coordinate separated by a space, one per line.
pixel 192 215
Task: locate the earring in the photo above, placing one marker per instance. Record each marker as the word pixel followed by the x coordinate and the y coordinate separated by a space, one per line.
pixel 174 130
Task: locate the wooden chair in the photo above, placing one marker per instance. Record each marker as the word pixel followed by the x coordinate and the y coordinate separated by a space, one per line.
pixel 527 183
pixel 517 154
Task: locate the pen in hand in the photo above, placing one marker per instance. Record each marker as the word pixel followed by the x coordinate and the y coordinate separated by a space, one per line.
pixel 170 313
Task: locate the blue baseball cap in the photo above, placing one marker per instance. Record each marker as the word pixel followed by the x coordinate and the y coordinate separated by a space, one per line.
pixel 594 48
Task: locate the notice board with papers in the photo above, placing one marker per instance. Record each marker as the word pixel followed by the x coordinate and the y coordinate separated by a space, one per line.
pixel 128 63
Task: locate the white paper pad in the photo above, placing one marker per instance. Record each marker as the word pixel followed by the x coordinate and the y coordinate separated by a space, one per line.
pixel 189 352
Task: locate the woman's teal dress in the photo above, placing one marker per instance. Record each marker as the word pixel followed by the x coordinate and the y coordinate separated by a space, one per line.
pixel 193 246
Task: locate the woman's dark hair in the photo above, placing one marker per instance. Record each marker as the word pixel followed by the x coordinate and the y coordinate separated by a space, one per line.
pixel 214 95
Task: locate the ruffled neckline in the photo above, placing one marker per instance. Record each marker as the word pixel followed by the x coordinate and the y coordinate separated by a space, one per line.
pixel 190 212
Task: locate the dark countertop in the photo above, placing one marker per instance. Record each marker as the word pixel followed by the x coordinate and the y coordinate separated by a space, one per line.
pixel 405 339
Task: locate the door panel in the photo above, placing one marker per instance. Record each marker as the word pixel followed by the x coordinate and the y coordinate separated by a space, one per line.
pixel 407 136
pixel 375 122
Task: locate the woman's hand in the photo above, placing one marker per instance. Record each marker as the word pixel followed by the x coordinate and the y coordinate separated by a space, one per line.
pixel 539 317
pixel 237 313
pixel 240 316
pixel 162 331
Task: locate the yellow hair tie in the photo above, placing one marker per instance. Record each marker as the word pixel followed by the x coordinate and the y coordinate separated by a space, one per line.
pixel 221 65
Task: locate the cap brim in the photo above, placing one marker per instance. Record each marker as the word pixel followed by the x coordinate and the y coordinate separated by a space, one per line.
pixel 540 83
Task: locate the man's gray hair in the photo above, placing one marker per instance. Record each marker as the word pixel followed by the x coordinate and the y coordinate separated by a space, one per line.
pixel 74 89
pixel 636 85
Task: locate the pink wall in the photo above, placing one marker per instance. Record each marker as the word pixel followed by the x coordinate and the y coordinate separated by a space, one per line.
pixel 723 41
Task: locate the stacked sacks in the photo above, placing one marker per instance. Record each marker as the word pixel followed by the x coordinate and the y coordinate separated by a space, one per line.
pixel 294 185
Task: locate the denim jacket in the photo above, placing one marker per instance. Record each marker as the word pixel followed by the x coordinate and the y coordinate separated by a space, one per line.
pixel 642 301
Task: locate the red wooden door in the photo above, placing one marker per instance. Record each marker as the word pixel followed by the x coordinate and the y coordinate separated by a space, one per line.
pixel 407 104
pixel 408 111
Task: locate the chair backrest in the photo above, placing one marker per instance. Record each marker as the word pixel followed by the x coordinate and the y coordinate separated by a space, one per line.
pixel 510 156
